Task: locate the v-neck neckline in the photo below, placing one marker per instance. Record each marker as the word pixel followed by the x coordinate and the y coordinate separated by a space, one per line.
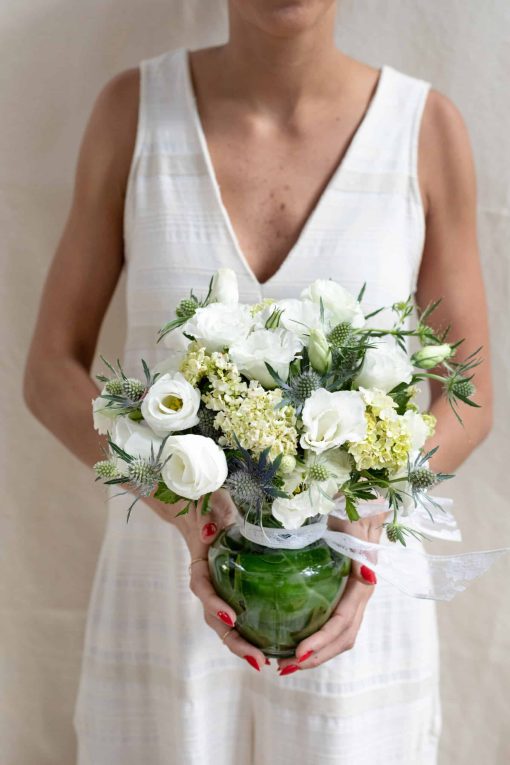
pixel 314 213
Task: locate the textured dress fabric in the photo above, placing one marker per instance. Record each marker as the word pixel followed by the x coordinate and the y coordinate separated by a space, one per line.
pixel 157 685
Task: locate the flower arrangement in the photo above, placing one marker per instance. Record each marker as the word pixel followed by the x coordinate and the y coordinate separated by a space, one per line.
pixel 292 405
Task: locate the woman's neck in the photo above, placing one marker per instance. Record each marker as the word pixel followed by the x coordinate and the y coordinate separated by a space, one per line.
pixel 275 74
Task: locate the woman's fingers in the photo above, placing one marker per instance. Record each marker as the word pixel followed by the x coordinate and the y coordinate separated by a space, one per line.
pixel 221 512
pixel 237 644
pixel 344 642
pixel 220 616
pixel 339 632
pixel 214 606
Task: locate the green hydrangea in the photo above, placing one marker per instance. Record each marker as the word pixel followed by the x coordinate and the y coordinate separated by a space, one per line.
pixel 386 444
pixel 247 411
pixel 430 420
pixel 196 363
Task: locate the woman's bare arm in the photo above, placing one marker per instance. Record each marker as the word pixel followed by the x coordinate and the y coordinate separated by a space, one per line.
pixel 83 274
pixel 451 270
pixel 81 280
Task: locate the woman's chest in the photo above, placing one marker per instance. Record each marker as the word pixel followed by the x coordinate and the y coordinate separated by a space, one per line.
pixel 365 229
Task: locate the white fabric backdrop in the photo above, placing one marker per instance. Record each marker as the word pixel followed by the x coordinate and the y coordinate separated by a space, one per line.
pixel 55 57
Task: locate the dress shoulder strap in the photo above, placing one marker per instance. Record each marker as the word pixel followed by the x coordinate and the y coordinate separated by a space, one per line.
pixel 163 118
pixel 389 145
pixel 164 144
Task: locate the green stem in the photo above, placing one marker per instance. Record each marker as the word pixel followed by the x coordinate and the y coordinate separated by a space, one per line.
pixel 431 376
pixel 382 332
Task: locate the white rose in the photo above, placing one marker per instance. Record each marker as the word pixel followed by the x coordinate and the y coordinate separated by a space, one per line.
pixel 384 367
pixel 416 427
pixel 135 438
pixel 171 404
pixel 292 512
pixel 276 346
pixel 219 324
pixel 332 418
pixel 337 300
pixel 103 416
pixel 224 287
pixel 197 465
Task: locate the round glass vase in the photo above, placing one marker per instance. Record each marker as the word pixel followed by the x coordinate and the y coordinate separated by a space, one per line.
pixel 280 595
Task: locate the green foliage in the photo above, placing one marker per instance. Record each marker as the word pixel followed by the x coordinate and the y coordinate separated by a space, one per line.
pixel 166 495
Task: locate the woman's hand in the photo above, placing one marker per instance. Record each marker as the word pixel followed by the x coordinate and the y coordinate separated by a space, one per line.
pixel 199 530
pixel 339 633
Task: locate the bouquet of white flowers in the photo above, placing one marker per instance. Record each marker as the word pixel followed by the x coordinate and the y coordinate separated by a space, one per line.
pixel 299 408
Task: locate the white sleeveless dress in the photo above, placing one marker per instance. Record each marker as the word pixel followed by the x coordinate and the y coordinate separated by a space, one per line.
pixel 157 685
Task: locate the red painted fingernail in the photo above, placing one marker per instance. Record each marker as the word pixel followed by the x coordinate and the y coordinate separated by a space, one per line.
pixel 225 618
pixel 305 656
pixel 253 662
pixel 210 529
pixel 368 575
pixel 267 661
pixel 289 669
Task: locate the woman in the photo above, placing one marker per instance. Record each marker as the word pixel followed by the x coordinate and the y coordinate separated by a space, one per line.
pixel 278 156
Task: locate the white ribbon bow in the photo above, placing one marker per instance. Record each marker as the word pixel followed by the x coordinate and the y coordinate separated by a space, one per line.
pixel 413 571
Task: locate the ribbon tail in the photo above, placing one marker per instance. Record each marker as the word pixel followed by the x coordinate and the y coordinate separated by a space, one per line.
pixel 413 571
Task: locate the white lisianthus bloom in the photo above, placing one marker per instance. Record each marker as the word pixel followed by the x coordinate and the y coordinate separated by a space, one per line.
pixel 298 316
pixel 135 438
pixel 276 346
pixel 332 418
pixel 219 324
pixel 171 404
pixel 337 300
pixel 336 462
pixel 293 511
pixel 417 428
pixel 177 344
pixel 384 367
pixel 382 405
pixel 103 416
pixel 197 465
pixel 224 287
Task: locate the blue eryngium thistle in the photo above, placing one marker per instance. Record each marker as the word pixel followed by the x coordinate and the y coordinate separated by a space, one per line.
pixel 421 478
pixel 141 475
pixel 206 426
pixel 301 383
pixel 106 469
pixel 253 481
pixel 124 394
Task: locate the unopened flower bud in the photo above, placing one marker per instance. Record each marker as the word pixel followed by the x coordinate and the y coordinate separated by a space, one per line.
pixel 319 351
pixel 224 287
pixel 431 355
pixel 287 464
